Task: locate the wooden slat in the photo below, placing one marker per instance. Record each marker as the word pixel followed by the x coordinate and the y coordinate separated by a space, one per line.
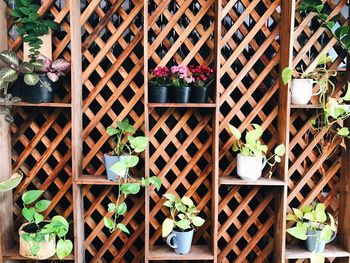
pixel 181 105
pixel 299 252
pixel 233 180
pixel 12 254
pixel 166 253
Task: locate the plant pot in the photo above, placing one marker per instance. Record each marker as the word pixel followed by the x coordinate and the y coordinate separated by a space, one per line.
pixel 158 94
pixel 109 161
pixel 314 242
pixel 199 94
pixel 47 248
pixel 181 94
pixel 301 91
pixel 180 241
pixel 36 93
pixel 250 167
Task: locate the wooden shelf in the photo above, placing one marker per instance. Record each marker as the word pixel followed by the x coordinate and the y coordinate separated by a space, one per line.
pixel 96 180
pixel 50 104
pixel 307 106
pixel 233 180
pixel 181 105
pixel 167 253
pixel 14 255
pixel 299 252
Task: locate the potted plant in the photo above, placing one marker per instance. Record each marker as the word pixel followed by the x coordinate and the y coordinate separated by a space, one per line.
pixel 251 159
pixel 302 82
pixel 32 27
pixel 203 79
pixel 37 237
pixel 12 182
pixel 119 208
pixel 179 228
pixel 313 225
pixel 158 90
pixel 123 157
pixel 181 80
pixel 35 81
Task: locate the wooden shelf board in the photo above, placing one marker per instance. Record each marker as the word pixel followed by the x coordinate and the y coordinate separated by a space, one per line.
pixel 181 105
pixel 307 106
pixel 299 252
pixel 49 104
pixel 96 180
pixel 13 254
pixel 167 253
pixel 234 180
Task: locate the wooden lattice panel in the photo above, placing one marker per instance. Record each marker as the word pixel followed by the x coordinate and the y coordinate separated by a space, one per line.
pixel 41 144
pixel 248 88
pixel 112 47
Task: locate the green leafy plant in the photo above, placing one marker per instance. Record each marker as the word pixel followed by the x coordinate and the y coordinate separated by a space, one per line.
pixel 58 226
pixel 119 208
pixel 323 15
pixel 12 182
pixel 183 215
pixel 253 146
pixel 30 25
pixel 125 144
pixel 312 217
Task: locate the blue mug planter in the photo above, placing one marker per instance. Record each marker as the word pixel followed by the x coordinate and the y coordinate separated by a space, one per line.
pixel 180 241
pixel 314 242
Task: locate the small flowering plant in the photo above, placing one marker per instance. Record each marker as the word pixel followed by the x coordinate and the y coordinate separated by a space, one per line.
pixel 181 76
pixel 203 75
pixel 160 76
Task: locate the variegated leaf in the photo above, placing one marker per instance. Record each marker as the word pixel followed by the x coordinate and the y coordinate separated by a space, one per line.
pixel 8 74
pixel 31 79
pixel 27 67
pixel 52 76
pixel 9 57
pixel 60 65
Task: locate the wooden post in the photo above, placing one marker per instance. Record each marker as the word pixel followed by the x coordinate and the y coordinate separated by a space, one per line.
pixel 6 222
pixel 286 56
pixel 77 129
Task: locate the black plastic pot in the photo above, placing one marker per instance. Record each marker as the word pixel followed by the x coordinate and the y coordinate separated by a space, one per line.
pixel 181 94
pixel 37 93
pixel 199 94
pixel 159 94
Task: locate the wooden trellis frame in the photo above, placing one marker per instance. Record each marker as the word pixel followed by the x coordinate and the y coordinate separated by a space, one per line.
pixel 245 221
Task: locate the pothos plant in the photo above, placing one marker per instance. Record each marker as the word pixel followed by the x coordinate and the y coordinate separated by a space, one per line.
pixel 12 182
pixel 313 217
pixel 253 146
pixel 30 25
pixel 58 225
pixel 183 215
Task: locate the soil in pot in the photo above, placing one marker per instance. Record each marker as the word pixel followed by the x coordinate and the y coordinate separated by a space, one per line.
pixel 181 94
pixel 47 247
pixel 158 94
pixel 42 92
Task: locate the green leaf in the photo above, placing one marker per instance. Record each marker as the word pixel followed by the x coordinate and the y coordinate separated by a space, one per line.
pixel 112 131
pixel 31 79
pixel 287 75
pixel 139 143
pixel 11 183
pixel 290 217
pixel 111 207
pixel 132 161
pixel 309 216
pixel 34 249
pixel 297 232
pixel 317 257
pixel 298 213
pixel 347 94
pixel 167 203
pixel 122 208
pixel 38 218
pixel 170 197
pixel 28 213
pixel 343 132
pixel 8 74
pixel 187 201
pixel 235 132
pixel 326 233
pixel 42 205
pixel 167 227
pixel 235 147
pixel 9 58
pixel 64 248
pixel 341 31
pixel 197 221
pixel 307 208
pixel 157 182
pixel 183 224
pixel 280 150
pixel 277 159
pixel 130 188
pixel 319 8
pixel 30 196
pixel 123 228
pixel 119 167
pixel 108 223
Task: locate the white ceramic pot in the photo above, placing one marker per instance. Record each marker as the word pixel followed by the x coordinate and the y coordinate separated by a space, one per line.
pixel 47 248
pixel 301 91
pixel 250 167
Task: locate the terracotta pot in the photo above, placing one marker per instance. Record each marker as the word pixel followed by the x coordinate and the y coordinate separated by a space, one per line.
pixel 47 248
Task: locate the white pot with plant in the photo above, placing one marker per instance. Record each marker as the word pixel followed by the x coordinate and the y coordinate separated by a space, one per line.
pixel 37 237
pixel 123 157
pixel 252 159
pixel 313 225
pixel 302 82
pixel 179 228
